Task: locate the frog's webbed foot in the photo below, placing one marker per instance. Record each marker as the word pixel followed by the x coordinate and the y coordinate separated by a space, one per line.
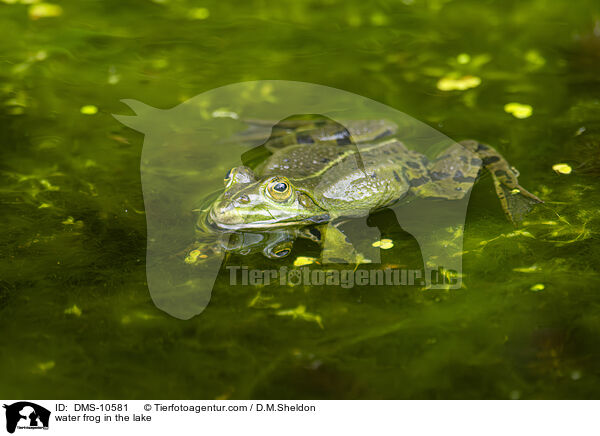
pixel 515 200
pixel 337 248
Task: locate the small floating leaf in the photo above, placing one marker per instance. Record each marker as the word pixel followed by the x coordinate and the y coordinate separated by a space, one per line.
pixel 384 244
pixel 378 19
pixel 537 287
pixel 535 58
pixel 518 110
pixel 44 10
pixel 304 260
pixel 89 109
pixel 528 269
pixel 199 14
pixel 460 84
pixel 45 366
pixel 463 58
pixel 562 168
pixel 73 310
pixel 193 256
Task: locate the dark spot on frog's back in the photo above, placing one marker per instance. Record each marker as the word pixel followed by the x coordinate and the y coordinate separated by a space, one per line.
pixel 418 182
pixel 490 160
pixel 325 160
pixel 439 175
pixel 397 177
pixel 459 177
pixel 413 164
pixel 501 173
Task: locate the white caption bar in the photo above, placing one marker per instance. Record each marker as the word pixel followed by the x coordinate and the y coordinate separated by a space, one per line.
pixel 300 417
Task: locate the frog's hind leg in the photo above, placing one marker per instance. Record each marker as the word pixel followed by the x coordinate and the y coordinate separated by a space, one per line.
pixel 516 200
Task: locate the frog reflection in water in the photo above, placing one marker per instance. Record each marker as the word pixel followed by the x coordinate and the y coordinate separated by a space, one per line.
pixel 317 176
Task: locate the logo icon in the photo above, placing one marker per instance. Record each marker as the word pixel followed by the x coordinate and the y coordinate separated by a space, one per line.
pixel 26 415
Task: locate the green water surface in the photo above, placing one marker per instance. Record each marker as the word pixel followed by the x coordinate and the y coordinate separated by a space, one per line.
pixel 76 317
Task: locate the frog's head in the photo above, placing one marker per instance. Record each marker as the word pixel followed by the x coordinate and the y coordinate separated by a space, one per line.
pixel 272 201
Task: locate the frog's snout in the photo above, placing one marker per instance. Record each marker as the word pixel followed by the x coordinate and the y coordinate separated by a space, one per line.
pixel 224 212
pixel 229 211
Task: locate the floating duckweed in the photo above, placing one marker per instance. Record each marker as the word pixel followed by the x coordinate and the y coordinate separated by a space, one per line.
pixel 194 255
pixel 45 366
pixel 44 10
pixel 89 109
pixel 562 168
pixel 460 84
pixel 160 63
pixel 49 186
pixel 70 221
pixel 304 260
pixel 301 313
pixel 73 310
pixel 535 58
pixel 41 55
pixel 379 19
pixel 260 302
pixel 44 206
pixel 463 58
pixel 199 14
pixel 126 319
pixel 384 244
pixel 515 191
pixel 537 287
pixel 528 269
pixel 518 110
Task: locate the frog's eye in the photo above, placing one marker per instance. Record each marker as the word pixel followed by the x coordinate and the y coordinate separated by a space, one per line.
pixel 279 189
pixel 282 252
pixel 229 177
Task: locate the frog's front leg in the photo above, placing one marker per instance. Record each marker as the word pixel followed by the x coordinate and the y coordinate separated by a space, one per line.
pixel 516 200
pixel 337 248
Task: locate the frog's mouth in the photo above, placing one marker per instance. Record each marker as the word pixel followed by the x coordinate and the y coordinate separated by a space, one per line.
pixel 215 220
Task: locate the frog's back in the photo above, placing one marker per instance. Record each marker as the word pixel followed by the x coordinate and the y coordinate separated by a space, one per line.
pixel 349 178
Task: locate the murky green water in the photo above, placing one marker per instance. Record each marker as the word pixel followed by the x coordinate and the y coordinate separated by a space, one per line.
pixel 75 313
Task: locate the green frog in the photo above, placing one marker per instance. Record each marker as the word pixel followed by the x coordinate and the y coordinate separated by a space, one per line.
pixel 322 173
